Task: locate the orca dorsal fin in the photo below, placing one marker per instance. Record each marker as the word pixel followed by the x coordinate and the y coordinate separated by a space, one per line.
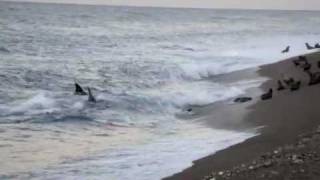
pixel 90 97
pixel 79 90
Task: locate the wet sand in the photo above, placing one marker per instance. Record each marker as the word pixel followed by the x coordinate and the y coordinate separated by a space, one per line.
pixel 283 118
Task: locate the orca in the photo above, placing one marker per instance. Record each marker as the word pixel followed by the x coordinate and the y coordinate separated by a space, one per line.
pixel 78 90
pixel 286 50
pixel 91 97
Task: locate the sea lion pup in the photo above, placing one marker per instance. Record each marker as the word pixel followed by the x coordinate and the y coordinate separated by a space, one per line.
pixel 79 90
pixel 317 45
pixel 314 78
pixel 280 86
pixel 91 97
pixel 267 95
pixel 286 50
pixel 295 86
pixel 308 46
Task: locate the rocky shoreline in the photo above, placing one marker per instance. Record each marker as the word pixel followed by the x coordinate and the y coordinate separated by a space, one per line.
pixel 297 161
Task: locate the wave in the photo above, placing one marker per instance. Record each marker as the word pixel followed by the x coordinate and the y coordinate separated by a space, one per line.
pixel 141 68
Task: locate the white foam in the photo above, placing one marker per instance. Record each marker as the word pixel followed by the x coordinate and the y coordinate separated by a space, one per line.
pixel 40 102
pixel 78 105
pixel 159 158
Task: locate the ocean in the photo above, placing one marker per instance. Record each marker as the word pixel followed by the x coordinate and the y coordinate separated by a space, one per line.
pixel 145 66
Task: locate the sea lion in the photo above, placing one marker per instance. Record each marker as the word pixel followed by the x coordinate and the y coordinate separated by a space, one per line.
pixel 286 50
pixel 267 95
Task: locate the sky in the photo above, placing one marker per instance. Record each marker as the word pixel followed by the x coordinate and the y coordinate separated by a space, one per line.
pixel 238 4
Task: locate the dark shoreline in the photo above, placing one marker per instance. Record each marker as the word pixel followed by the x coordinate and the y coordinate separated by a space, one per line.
pixel 284 118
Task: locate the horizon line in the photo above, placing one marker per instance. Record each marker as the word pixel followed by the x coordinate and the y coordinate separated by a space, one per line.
pixel 150 6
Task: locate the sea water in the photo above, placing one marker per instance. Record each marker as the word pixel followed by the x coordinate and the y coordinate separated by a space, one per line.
pixel 144 65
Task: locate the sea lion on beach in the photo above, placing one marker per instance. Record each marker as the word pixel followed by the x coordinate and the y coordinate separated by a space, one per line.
pixel 308 46
pixel 296 62
pixel 286 50
pixel 289 81
pixel 306 66
pixel 314 78
pixel 91 97
pixel 300 59
pixel 79 90
pixel 242 99
pixel 267 95
pixel 295 86
pixel 280 86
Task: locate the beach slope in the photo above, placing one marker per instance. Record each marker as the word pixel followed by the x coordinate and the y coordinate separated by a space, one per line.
pixel 284 118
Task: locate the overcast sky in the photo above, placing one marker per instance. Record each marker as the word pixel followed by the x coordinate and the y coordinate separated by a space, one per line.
pixel 243 4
